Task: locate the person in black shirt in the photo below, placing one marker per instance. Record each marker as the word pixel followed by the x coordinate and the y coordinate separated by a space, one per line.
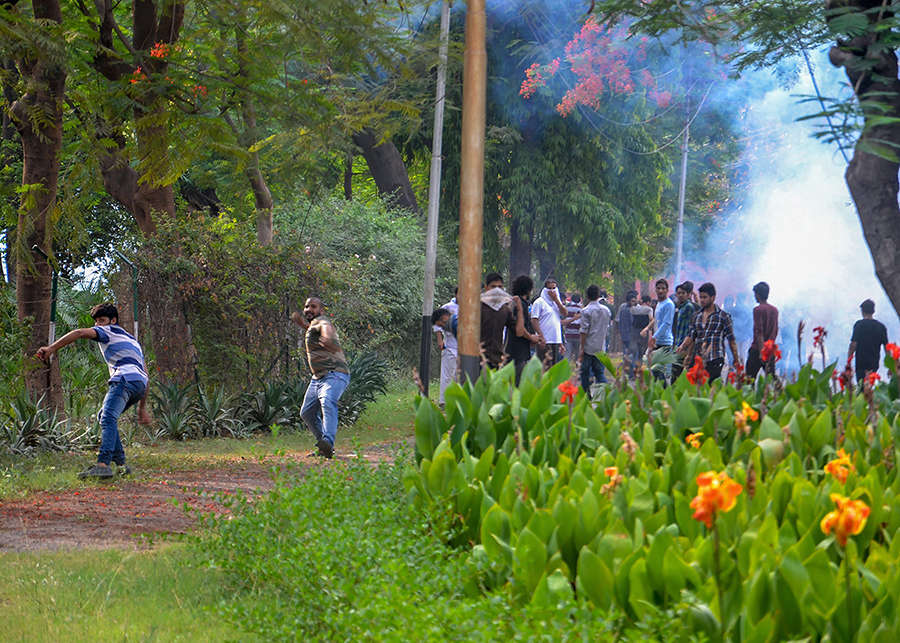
pixel 869 335
pixel 520 342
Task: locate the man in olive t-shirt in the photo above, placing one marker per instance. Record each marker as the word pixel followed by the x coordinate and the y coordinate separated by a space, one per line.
pixel 330 375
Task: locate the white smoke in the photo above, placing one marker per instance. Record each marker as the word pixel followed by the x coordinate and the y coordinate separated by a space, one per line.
pixel 796 227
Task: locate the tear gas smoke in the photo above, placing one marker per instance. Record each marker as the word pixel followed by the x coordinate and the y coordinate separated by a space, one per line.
pixel 795 228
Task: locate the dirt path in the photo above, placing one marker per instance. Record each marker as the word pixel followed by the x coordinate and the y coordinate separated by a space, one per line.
pixel 125 513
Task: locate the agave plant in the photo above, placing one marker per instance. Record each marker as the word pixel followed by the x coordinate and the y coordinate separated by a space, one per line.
pixel 271 405
pixel 214 412
pixel 174 410
pixel 29 427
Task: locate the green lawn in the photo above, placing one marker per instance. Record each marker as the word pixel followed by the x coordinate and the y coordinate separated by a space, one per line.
pixel 150 595
pixel 110 596
pixel 389 418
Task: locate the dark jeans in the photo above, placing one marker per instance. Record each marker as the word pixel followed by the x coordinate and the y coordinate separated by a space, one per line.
pixel 553 349
pixel 591 366
pixel 714 368
pixel 121 396
pixel 755 364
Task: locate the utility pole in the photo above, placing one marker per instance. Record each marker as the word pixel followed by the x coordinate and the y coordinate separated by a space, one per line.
pixel 679 241
pixel 471 192
pixel 434 199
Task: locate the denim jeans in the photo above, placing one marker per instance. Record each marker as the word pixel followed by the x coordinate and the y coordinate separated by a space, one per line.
pixel 590 365
pixel 121 396
pixel 320 404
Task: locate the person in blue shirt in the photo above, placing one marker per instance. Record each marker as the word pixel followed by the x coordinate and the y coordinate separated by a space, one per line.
pixel 127 383
pixel 661 341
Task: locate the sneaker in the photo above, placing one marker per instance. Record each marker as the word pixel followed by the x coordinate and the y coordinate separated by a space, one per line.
pixel 97 471
pixel 326 449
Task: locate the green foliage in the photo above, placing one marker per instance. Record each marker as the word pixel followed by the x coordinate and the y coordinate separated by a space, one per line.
pixel 27 427
pixel 12 345
pixel 337 554
pixel 522 482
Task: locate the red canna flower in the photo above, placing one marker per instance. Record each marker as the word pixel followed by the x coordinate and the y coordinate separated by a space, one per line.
pixel 819 336
pixel 159 50
pixel 893 350
pixel 697 375
pixel 569 390
pixel 872 377
pixel 770 350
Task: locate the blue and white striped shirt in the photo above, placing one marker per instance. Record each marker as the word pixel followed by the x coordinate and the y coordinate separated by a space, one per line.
pixel 122 353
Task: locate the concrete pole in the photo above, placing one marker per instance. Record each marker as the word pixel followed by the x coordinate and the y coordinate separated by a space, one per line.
pixel 434 199
pixel 679 242
pixel 471 193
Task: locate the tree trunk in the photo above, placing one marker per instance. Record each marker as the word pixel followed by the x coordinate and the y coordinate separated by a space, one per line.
pixel 871 177
pixel 147 198
pixel 388 170
pixel 519 249
pixel 348 177
pixel 546 263
pixel 41 140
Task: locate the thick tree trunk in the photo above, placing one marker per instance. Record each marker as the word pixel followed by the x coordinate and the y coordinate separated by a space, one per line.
pixel 41 140
pixel 519 249
pixel 388 170
pixel 871 177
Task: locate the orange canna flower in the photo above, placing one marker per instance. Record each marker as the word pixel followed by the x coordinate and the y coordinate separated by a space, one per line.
pixel 716 493
pixel 847 520
pixel 694 439
pixel 611 472
pixel 748 412
pixel 569 390
pixel 840 467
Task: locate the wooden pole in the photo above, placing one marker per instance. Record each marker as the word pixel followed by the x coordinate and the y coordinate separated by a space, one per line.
pixel 471 197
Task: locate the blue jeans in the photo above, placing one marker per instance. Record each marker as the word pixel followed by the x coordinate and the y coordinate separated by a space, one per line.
pixel 590 365
pixel 320 404
pixel 121 395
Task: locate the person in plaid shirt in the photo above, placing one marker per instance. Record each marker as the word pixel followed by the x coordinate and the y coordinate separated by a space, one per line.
pixel 685 310
pixel 710 330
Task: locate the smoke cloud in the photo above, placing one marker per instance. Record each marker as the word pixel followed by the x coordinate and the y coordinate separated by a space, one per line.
pixel 796 227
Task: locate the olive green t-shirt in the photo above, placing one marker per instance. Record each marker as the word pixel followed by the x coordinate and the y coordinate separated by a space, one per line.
pixel 321 360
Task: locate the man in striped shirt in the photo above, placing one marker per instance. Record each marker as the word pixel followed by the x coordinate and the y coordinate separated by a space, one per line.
pixel 127 383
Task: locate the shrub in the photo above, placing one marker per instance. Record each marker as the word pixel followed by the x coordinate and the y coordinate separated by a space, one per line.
pixel 338 554
pixel 606 498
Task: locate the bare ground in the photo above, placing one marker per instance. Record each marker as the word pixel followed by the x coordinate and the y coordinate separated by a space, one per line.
pixel 135 514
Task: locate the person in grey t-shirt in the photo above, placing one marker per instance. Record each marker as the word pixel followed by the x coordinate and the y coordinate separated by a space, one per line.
pixel 595 319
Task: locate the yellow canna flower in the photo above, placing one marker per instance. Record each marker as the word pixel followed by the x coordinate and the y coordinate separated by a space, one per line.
pixel 840 467
pixel 716 493
pixel 748 412
pixel 847 520
pixel 694 439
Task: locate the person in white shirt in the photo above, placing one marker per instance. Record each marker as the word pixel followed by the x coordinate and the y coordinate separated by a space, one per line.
pixel 548 314
pixel 446 342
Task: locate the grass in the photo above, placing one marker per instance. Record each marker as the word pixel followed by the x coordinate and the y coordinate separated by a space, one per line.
pixel 389 418
pixel 159 594
pixel 110 595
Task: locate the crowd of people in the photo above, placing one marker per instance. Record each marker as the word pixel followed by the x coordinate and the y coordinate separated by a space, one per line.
pixel 669 334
